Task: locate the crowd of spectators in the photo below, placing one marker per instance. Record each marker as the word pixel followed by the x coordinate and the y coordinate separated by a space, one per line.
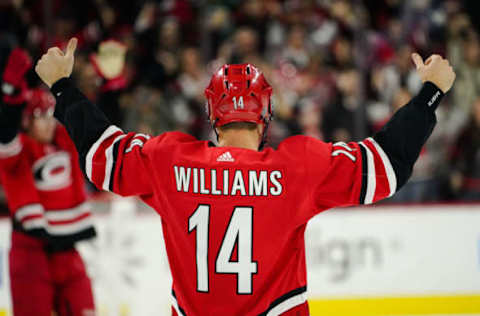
pixel 339 68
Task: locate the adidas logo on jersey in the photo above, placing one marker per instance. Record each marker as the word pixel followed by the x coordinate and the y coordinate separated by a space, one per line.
pixel 226 156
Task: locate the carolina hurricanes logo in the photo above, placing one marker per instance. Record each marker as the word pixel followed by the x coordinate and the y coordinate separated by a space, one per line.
pixel 53 172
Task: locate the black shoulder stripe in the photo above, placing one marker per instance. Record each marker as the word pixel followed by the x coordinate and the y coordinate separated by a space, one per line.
pixel 112 172
pixel 363 191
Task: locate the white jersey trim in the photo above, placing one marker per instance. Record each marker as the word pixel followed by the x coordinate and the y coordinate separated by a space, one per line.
pixel 35 223
pixel 147 137
pixel 112 129
pixel 279 309
pixel 135 142
pixel 69 229
pixel 371 176
pixel 392 178
pixel 28 210
pixel 175 306
pixel 288 304
pixel 67 214
pixel 344 145
pixel 48 218
pixel 346 153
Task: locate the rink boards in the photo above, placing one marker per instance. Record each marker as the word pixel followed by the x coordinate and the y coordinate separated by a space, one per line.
pixel 402 260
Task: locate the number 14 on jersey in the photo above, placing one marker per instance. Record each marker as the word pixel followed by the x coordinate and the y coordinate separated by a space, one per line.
pixel 239 233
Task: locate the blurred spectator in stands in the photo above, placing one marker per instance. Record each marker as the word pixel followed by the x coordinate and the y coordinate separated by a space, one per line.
pixel 252 15
pixel 245 47
pixel 310 119
pixel 296 50
pixel 343 12
pixel 342 53
pixel 330 62
pixel 160 60
pixel 338 124
pixel 464 49
pixel 217 26
pixel 465 160
pixel 147 111
pixel 192 80
pixel 193 77
pixel 388 78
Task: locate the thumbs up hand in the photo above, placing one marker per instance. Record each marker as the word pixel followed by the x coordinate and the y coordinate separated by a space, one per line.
pixel 55 64
pixel 436 70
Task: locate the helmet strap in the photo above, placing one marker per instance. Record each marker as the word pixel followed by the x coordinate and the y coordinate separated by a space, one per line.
pixel 263 142
pixel 266 123
pixel 215 129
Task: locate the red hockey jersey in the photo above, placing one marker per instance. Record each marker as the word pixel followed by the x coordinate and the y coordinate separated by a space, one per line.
pixel 44 186
pixel 234 219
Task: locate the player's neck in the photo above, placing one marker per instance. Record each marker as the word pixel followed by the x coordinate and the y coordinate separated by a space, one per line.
pixel 239 138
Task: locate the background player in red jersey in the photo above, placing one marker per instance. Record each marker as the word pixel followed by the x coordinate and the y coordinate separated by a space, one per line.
pixel 234 215
pixel 45 191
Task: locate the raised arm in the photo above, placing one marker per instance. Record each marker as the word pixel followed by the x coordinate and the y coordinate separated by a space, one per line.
pixel 364 172
pixel 403 137
pixel 112 160
pixel 13 97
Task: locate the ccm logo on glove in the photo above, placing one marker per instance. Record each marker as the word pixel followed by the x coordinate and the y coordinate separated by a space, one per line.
pixel 434 98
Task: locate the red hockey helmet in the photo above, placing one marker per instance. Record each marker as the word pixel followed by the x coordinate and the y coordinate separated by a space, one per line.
pixel 238 93
pixel 39 102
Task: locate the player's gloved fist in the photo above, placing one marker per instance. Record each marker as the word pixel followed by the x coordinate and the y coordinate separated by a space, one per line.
pixel 14 85
pixel 436 70
pixel 55 64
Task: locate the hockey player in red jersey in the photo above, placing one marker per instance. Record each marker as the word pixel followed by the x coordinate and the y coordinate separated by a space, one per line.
pixel 234 215
pixel 44 185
